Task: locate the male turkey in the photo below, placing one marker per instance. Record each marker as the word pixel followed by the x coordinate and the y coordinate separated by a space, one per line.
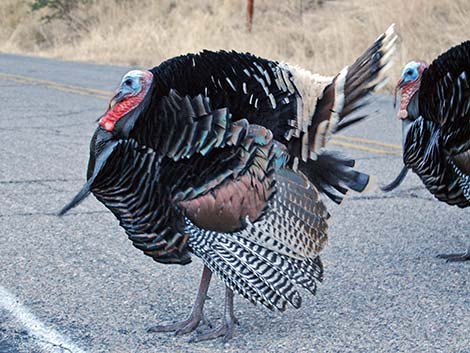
pixel 220 154
pixel 435 112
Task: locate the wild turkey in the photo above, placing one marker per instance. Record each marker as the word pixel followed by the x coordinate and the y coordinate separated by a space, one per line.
pixel 435 112
pixel 221 155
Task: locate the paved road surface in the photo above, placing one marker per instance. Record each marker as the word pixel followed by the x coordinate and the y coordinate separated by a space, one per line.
pixel 91 290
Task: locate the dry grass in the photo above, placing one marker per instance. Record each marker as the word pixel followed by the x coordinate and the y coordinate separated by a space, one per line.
pixel 321 38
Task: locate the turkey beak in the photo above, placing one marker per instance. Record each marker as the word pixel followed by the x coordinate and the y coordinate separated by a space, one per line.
pixel 118 97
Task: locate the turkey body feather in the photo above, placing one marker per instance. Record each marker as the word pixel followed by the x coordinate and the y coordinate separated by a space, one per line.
pixel 222 155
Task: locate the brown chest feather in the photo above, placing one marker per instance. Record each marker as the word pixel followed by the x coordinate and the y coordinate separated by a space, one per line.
pixel 225 208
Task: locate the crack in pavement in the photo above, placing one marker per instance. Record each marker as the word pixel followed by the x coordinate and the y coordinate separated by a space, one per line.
pixel 45 128
pixel 396 196
pixel 38 181
pixel 54 214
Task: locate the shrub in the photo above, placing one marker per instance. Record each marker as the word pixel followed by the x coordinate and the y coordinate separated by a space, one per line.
pixel 61 10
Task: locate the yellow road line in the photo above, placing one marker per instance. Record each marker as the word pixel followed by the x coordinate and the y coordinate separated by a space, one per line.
pixel 364 148
pixel 102 94
pixel 367 141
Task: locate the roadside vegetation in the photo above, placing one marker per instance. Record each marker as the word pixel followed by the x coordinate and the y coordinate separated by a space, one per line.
pixel 322 35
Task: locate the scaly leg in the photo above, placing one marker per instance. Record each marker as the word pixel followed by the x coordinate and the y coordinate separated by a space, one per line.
pixel 196 315
pixel 226 328
pixel 456 257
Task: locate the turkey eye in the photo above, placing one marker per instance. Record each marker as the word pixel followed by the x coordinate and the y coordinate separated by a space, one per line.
pixel 408 73
pixel 128 82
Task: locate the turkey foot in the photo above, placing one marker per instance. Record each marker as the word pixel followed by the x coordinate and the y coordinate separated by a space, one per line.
pixel 197 312
pixel 456 257
pixel 227 326
pixel 182 327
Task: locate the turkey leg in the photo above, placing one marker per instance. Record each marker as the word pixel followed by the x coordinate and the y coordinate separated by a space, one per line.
pixel 196 315
pixel 226 327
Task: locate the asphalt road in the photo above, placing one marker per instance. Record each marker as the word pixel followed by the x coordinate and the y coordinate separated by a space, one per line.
pixel 79 276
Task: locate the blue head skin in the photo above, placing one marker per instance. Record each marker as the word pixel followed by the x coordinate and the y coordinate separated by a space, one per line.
pixel 130 85
pixel 410 72
pixel 408 85
pixel 130 93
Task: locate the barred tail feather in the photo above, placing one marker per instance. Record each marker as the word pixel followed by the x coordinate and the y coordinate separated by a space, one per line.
pixel 308 272
pixel 298 220
pixel 301 198
pixel 304 272
pixel 259 274
pixel 248 273
pixel 275 286
pixel 231 278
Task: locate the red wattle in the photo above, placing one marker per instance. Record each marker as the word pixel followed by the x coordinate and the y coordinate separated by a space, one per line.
pixel 119 110
pixel 407 92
